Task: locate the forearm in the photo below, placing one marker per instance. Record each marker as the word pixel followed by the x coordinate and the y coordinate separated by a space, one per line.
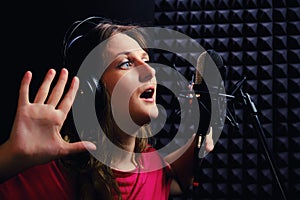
pixel 10 162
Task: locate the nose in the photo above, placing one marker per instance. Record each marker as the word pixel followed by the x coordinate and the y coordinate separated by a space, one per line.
pixel 146 72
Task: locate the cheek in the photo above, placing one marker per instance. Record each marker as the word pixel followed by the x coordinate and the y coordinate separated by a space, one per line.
pixel 123 80
pixel 122 92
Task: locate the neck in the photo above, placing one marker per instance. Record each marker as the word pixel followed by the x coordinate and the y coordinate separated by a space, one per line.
pixel 124 160
pixel 127 142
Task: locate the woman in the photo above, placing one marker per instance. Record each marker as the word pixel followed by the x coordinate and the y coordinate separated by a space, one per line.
pixel 36 144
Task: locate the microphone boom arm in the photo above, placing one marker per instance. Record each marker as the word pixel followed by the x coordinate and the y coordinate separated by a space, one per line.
pixel 253 113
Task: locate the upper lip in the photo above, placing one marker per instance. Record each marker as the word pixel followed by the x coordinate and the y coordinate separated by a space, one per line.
pixel 151 88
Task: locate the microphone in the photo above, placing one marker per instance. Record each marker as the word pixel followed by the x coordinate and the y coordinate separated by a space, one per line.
pixel 205 114
pixel 207 86
pixel 200 67
pixel 204 109
pixel 205 64
pixel 208 90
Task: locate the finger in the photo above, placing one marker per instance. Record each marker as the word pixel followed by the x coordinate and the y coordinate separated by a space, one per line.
pixel 24 89
pixel 68 99
pixel 44 88
pixel 209 143
pixel 58 90
pixel 77 147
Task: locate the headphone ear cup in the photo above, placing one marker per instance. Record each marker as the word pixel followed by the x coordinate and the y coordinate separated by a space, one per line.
pixel 96 88
pixel 100 100
pixel 91 91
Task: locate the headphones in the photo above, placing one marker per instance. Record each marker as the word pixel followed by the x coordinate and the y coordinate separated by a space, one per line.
pixel 81 38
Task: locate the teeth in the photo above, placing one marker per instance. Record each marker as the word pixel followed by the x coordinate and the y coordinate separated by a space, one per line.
pixel 149 90
pixel 147 94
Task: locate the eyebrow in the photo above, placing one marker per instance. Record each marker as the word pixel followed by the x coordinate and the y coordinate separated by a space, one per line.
pixel 129 52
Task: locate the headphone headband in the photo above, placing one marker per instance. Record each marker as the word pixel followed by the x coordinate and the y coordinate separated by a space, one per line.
pixel 77 30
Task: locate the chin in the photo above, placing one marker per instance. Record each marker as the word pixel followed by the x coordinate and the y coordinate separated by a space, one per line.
pixel 153 113
pixel 145 117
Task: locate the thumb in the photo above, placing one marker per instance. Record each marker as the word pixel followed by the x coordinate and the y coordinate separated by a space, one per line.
pixel 77 147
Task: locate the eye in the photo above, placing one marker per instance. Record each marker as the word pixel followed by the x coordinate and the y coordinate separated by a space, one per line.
pixel 125 65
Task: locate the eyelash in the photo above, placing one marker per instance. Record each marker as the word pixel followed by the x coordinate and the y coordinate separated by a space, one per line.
pixel 129 62
pixel 122 65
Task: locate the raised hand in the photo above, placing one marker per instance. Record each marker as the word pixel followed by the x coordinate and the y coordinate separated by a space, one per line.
pixel 35 137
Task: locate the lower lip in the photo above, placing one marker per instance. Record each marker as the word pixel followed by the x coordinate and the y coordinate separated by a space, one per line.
pixel 149 100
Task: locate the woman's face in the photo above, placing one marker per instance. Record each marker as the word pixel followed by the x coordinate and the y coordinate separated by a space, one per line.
pixel 130 81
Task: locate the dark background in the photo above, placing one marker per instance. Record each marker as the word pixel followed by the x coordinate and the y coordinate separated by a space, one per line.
pixel 32 37
pixel 257 39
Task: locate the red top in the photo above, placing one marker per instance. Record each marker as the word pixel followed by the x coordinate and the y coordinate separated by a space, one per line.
pixel 48 181
pixel 145 183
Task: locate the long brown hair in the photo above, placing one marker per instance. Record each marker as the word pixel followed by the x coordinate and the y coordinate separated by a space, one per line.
pixel 96 179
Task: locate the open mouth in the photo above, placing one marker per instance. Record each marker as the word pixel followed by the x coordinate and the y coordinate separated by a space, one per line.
pixel 147 94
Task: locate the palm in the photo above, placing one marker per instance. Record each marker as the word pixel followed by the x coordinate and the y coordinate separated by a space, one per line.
pixel 36 129
pixel 39 125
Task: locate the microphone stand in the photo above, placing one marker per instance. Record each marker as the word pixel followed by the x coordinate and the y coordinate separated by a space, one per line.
pixel 200 138
pixel 252 112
